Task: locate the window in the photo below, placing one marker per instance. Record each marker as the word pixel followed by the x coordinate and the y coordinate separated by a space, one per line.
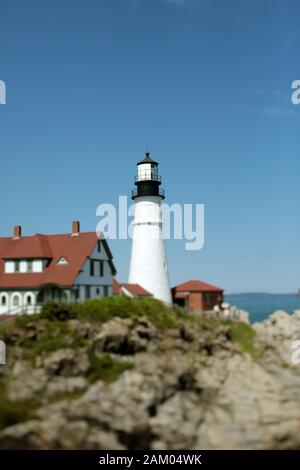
pixel 28 300
pixel 98 291
pixel 17 266
pixel 9 267
pixel 92 270
pixel 29 266
pixel 99 246
pixel 101 268
pixel 154 173
pixel 87 292
pixel 41 297
pixel 76 291
pixel 3 300
pixel 144 171
pixel 105 290
pixel 62 260
pixel 38 266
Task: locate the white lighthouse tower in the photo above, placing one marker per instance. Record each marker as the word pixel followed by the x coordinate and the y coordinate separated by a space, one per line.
pixel 148 266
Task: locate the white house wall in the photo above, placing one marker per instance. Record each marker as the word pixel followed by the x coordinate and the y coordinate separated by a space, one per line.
pixel 22 298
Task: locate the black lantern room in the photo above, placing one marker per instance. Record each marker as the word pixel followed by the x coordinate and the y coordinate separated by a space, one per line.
pixel 147 180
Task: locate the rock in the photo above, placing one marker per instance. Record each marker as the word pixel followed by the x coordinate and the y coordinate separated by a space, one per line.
pixel 145 329
pixel 113 336
pixel 32 435
pixel 136 343
pixel 102 440
pixel 64 386
pixel 276 335
pixel 67 362
pixel 121 406
pixel 190 387
pixel 119 336
pixel 244 317
pixel 176 422
pixel 83 329
pixel 24 383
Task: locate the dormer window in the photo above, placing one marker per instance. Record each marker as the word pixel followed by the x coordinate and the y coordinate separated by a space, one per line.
pixel 24 266
pixel 62 260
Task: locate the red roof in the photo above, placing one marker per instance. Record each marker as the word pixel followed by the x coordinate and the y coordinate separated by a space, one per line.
pixel 116 287
pixel 196 286
pixel 74 248
pixel 134 289
pixel 36 246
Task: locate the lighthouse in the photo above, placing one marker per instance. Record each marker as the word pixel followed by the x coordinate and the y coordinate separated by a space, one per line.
pixel 148 266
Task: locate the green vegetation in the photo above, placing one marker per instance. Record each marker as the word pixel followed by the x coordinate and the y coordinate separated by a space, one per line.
pixel 106 308
pixel 55 335
pixel 206 323
pixel 58 311
pixel 37 335
pixel 50 330
pixel 106 368
pixel 244 335
pixel 13 412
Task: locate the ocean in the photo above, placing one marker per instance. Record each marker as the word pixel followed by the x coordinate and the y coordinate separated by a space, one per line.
pixel 260 306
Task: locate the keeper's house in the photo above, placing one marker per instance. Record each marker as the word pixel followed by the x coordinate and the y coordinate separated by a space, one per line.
pixel 70 267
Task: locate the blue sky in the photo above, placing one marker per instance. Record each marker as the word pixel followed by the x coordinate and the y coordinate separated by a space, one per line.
pixel 205 83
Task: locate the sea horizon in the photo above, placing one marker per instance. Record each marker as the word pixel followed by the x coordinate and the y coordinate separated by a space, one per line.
pixel 260 305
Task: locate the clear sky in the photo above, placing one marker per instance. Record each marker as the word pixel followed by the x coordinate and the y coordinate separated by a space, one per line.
pixel 205 83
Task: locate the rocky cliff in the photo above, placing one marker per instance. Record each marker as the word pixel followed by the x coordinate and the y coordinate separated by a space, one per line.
pixel 122 374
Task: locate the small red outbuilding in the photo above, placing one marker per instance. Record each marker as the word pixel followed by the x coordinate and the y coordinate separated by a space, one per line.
pixel 197 295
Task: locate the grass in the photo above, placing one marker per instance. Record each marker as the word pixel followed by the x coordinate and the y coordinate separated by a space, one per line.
pixel 50 330
pixel 50 335
pixel 104 367
pixel 244 335
pixel 54 332
pixel 106 308
pixel 14 412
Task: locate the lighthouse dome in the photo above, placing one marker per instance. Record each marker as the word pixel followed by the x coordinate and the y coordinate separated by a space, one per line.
pixel 147 159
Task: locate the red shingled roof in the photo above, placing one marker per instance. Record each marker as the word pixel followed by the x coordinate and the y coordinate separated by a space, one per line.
pixel 36 246
pixel 116 287
pixel 134 289
pixel 74 248
pixel 196 286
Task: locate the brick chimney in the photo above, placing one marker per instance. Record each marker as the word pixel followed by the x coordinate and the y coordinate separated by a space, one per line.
pixel 17 232
pixel 75 228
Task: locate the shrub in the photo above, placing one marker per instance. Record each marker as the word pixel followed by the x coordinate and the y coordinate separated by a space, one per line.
pixel 58 311
pixel 106 308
